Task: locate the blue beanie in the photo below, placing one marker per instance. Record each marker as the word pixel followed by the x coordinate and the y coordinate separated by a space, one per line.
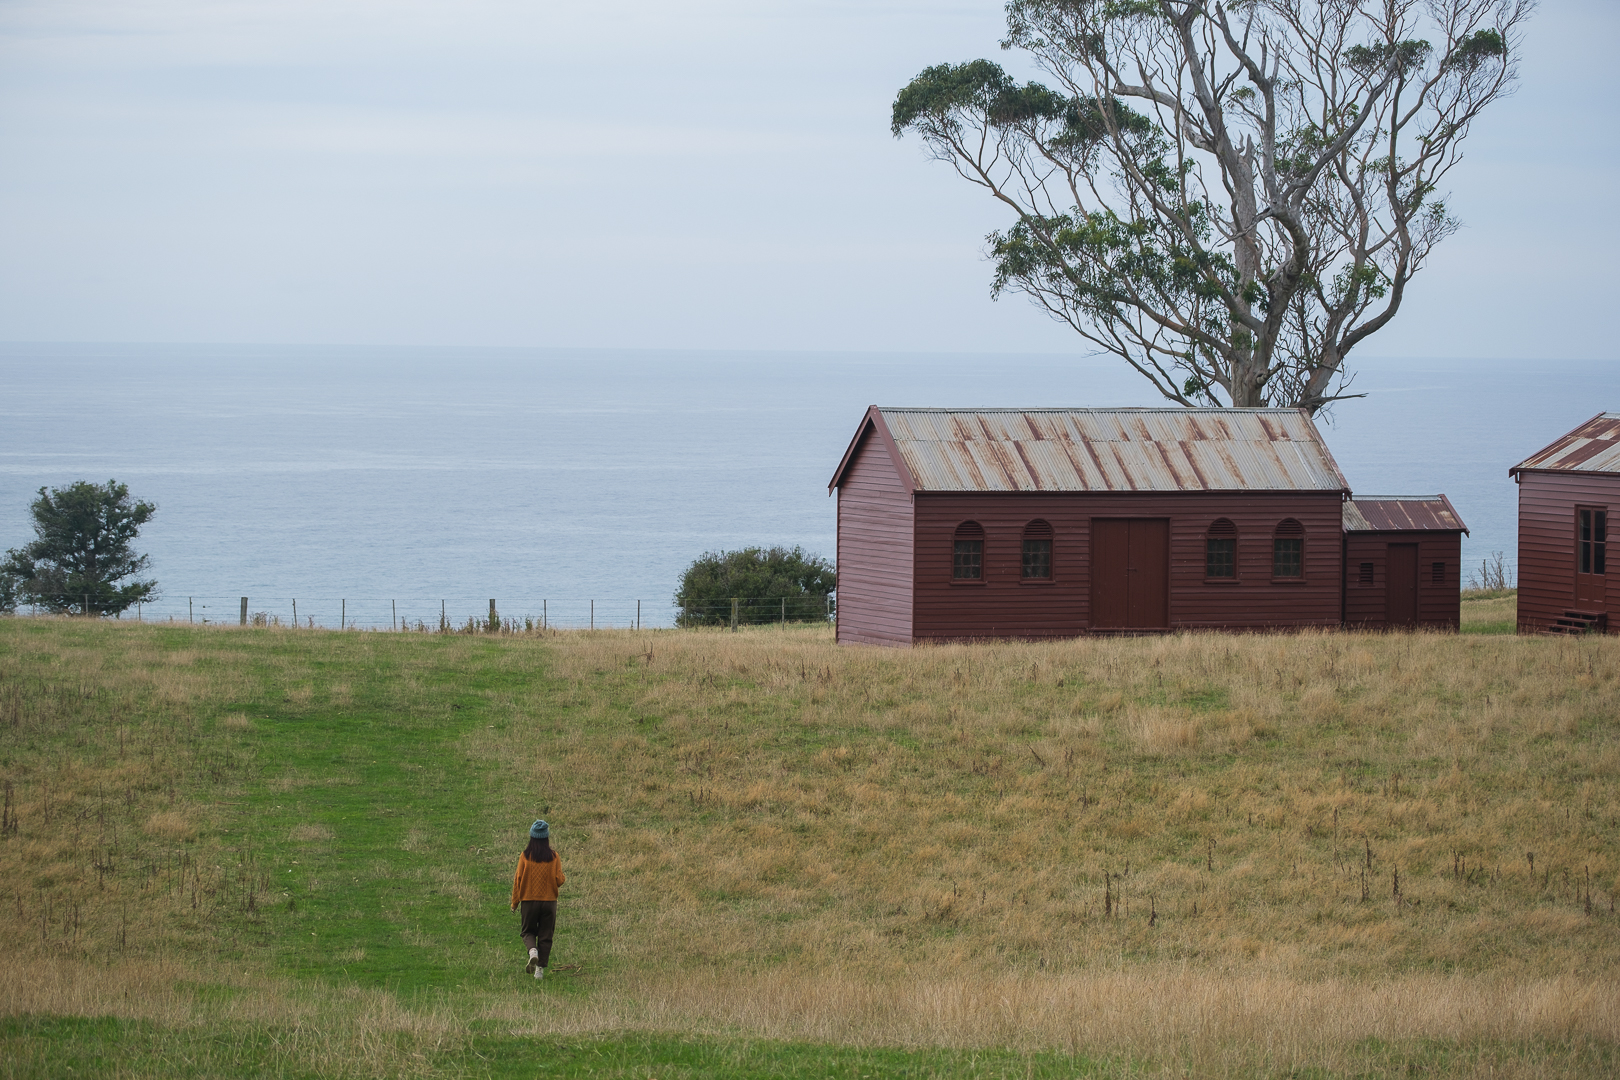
pixel 539 831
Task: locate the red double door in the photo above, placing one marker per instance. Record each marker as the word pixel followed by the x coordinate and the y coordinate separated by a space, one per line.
pixel 1130 573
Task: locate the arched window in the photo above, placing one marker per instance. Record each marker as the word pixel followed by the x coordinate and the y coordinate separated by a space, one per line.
pixel 967 562
pixel 1220 549
pixel 1288 550
pixel 1038 551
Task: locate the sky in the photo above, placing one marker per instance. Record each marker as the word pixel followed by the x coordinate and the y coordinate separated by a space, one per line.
pixel 679 174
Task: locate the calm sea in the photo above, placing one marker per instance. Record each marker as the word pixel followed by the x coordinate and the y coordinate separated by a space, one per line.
pixel 373 480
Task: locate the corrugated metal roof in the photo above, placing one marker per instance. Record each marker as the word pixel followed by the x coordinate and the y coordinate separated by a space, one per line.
pixel 1112 450
pixel 1402 513
pixel 1592 447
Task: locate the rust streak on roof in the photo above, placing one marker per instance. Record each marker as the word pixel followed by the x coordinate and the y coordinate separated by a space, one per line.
pixel 1031 470
pixel 1192 460
pixel 1593 447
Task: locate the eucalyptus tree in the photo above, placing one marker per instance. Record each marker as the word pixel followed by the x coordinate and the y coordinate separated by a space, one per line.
pixel 1229 197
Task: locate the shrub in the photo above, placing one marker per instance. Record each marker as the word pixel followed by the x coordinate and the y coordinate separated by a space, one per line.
pixel 771 583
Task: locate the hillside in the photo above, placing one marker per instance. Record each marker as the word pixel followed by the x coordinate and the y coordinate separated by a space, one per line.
pixel 271 850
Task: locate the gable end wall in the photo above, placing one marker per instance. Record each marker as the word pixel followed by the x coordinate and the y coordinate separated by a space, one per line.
pixel 1546 575
pixel 875 523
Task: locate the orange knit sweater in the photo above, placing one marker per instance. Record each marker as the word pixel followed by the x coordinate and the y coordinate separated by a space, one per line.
pixel 537 881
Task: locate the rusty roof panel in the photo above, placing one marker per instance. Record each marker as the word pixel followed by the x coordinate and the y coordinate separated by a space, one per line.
pixel 1402 513
pixel 1592 447
pixel 1112 450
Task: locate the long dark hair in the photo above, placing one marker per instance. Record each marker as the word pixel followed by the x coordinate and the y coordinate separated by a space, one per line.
pixel 539 849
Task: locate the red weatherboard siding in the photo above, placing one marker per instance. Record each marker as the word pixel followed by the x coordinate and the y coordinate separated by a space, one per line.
pixel 1547 504
pixel 874 550
pixel 1005 607
pixel 1439 606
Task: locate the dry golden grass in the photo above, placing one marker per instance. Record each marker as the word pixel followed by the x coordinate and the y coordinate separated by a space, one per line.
pixel 1162 1021
pixel 104 750
pixel 770 798
pixel 1491 613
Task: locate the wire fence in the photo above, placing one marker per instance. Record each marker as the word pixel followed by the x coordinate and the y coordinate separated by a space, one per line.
pixel 450 614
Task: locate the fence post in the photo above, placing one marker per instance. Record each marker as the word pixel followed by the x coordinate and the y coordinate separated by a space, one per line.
pixel 138 616
pixel 295 614
pixel 593 614
pixel 244 611
pixel 492 616
pixel 734 613
pixel 394 605
pixel 784 611
pixel 343 616
pixel 86 606
pixel 638 614
pixel 442 624
pixel 188 610
pixel 545 620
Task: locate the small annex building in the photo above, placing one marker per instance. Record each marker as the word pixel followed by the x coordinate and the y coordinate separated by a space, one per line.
pixel 1402 562
pixel 1031 523
pixel 1566 493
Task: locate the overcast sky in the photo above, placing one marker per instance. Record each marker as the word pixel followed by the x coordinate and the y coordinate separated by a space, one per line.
pixel 673 174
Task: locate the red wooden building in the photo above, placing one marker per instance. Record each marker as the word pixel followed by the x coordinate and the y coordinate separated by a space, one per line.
pixel 1055 522
pixel 1402 562
pixel 1566 492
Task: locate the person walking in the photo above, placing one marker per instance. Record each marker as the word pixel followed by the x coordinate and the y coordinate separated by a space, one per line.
pixel 534 889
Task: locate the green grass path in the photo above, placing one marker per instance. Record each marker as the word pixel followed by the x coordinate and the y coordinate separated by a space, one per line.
pixel 366 821
pixel 105 1047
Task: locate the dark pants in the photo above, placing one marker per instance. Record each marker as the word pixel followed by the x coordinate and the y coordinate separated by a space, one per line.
pixel 538 926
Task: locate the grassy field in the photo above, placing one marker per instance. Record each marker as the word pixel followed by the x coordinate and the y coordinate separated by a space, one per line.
pixel 287 853
pixel 1490 611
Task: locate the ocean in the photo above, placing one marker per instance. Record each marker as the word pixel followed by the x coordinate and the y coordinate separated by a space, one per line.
pixel 370 483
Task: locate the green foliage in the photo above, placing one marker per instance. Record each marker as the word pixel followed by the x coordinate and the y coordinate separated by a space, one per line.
pixel 944 89
pixel 1405 56
pixel 712 581
pixel 945 98
pixel 81 551
pixel 1099 262
pixel 1474 50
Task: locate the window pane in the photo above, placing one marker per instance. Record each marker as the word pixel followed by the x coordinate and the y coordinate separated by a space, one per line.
pixel 1287 557
pixel 1037 558
pixel 1220 558
pixel 1600 536
pixel 966 564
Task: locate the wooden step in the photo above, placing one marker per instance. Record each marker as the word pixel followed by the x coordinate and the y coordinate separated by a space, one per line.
pixel 1579 622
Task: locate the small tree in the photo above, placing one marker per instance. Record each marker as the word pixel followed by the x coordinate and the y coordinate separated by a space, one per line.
pixel 82 551
pixel 755 574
